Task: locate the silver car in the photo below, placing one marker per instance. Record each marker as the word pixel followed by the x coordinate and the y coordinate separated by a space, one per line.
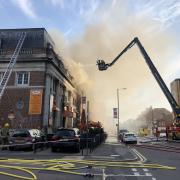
pixel 129 138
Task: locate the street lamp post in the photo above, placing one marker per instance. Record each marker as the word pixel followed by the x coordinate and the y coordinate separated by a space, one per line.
pixel 152 115
pixel 118 112
pixel 118 109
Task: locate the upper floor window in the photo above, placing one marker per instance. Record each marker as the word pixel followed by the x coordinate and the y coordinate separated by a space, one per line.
pixel 22 78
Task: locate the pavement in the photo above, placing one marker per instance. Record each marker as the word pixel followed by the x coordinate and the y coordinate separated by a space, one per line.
pixel 111 160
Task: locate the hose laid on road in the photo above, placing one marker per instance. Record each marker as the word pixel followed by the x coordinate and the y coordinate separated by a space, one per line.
pixel 68 166
pixel 18 176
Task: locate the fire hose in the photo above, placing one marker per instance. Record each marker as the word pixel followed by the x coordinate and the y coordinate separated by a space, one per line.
pixel 68 166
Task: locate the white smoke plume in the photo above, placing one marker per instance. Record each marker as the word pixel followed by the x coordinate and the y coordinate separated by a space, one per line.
pixel 75 68
pixel 115 27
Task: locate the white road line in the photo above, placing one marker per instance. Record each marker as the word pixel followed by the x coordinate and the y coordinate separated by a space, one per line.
pixel 114 155
pixel 103 174
pixel 134 169
pixel 140 156
pixel 136 174
pixel 145 170
pixel 153 178
pixel 126 175
pixel 148 174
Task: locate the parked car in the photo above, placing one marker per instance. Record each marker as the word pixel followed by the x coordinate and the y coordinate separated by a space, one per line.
pixel 66 138
pixel 162 135
pixel 129 138
pixel 24 138
pixel 121 134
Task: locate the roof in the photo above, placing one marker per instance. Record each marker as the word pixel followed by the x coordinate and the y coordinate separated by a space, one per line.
pixel 178 79
pixel 35 37
pixel 23 29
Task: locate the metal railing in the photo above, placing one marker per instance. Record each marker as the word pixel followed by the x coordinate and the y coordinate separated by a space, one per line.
pixel 92 144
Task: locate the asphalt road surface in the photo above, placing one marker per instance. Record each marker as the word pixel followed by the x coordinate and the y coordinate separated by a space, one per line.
pixel 111 160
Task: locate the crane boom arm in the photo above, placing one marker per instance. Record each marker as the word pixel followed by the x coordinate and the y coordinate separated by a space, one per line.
pixel 103 66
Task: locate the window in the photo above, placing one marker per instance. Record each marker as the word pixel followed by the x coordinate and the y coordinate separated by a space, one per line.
pixel 22 78
pixel 65 133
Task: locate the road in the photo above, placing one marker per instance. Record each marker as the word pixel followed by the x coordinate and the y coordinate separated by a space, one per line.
pixel 111 160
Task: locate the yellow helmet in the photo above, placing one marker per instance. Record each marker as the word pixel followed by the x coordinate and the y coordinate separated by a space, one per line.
pixel 6 125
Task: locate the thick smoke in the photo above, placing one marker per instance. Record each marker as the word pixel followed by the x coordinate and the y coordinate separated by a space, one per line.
pixel 75 68
pixel 148 119
pixel 105 40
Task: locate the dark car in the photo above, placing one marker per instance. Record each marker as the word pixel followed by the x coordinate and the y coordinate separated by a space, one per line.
pixel 66 138
pixel 24 139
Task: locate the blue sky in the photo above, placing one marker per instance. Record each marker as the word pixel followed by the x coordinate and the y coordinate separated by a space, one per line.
pixel 72 16
pixel 69 16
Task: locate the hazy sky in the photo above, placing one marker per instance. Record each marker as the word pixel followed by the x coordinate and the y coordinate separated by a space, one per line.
pixel 85 30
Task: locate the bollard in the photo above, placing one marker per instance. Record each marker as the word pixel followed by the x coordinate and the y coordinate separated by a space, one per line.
pixel 34 148
pixel 82 151
pixel 42 146
pixel 91 148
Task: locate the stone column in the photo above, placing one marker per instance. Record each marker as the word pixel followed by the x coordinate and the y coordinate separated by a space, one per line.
pixel 61 105
pixel 46 101
pixel 57 98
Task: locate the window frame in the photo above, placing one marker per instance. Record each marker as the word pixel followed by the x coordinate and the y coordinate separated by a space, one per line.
pixel 23 72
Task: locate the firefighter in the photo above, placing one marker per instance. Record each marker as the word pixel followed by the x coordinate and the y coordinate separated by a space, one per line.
pixel 5 134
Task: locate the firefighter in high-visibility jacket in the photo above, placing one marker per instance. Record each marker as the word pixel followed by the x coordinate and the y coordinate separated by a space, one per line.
pixel 5 134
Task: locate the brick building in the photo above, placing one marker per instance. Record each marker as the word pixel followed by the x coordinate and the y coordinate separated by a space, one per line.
pixel 40 92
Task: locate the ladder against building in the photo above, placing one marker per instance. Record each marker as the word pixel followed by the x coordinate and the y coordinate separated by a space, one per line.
pixel 11 64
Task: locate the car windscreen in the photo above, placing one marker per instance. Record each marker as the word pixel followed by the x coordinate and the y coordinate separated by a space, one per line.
pixel 129 135
pixel 21 134
pixel 66 133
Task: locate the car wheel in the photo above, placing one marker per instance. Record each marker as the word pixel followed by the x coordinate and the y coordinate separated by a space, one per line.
pixel 11 148
pixel 77 149
pixel 53 149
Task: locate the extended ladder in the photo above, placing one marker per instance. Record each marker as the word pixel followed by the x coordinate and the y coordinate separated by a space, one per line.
pixel 11 64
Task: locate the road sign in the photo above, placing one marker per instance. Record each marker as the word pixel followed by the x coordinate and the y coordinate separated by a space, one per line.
pixel 115 112
pixel 83 100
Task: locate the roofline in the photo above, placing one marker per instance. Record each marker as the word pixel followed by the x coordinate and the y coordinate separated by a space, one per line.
pixel 29 29
pixel 17 29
